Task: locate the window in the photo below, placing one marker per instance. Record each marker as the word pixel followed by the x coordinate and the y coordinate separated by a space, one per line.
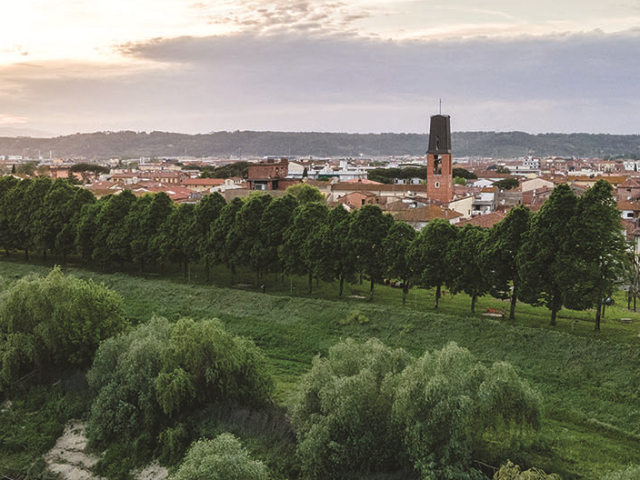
pixel 437 185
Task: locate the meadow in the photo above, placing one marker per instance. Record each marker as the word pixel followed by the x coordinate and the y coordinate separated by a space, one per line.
pixel 589 380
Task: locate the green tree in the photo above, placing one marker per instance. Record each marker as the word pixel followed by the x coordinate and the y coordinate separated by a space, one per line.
pixel 428 255
pixel 33 213
pixel 396 246
pixel 305 193
pixel 206 212
pixel 544 262
pixel 244 242
pixel 507 184
pixel 599 254
pixel 463 173
pixel 150 380
pixel 301 251
pixel 338 259
pixel 500 254
pixel 172 240
pixel 219 251
pixel 7 240
pixel 55 321
pixel 465 260
pixel 275 220
pixel 145 226
pixel 453 410
pixel 369 227
pixel 17 218
pixel 343 418
pixel 111 241
pixel 222 458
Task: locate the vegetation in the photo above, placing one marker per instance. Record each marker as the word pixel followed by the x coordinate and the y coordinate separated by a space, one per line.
pixel 390 175
pixel 53 322
pixel 157 388
pixel 130 144
pixel 222 458
pixel 148 382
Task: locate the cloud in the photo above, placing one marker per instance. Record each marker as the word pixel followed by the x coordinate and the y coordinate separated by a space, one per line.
pixel 341 82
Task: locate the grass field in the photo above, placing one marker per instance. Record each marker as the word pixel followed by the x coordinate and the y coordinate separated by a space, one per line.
pixel 590 381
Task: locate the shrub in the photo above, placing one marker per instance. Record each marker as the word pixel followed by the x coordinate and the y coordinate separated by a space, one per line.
pixel 368 408
pixel 355 316
pixel 149 381
pixel 53 322
pixel 222 458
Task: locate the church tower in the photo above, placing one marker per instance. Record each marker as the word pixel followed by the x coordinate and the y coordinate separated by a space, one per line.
pixel 439 160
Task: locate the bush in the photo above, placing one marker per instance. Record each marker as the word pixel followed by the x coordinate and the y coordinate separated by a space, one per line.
pixel 354 317
pixel 343 419
pixel 367 408
pixel 149 381
pixel 632 472
pixel 54 322
pixel 512 472
pixel 222 458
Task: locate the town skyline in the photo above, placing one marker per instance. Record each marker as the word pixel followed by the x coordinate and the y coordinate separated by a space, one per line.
pixel 364 66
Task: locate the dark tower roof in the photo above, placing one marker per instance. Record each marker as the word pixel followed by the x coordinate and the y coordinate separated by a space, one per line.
pixel 440 134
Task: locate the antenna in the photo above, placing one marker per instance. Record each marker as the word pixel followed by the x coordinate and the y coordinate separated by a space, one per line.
pixel 439 106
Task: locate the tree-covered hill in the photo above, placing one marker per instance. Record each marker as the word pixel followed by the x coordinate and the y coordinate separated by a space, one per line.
pixel 130 144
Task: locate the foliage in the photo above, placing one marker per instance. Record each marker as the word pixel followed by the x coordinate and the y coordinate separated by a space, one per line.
pixel 632 472
pixel 512 472
pixel 343 418
pixel 454 410
pixel 463 173
pixel 368 229
pixel 507 183
pixel 427 255
pixel 544 262
pixel 354 317
pixel 465 263
pixel 305 193
pixel 500 254
pixel 149 380
pixel 222 458
pixel 54 321
pixel 368 408
pixel 390 175
pixel 396 244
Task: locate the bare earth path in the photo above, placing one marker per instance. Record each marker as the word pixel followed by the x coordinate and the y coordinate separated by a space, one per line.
pixel 69 459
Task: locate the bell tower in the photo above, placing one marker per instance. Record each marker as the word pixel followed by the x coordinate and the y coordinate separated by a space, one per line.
pixel 439 160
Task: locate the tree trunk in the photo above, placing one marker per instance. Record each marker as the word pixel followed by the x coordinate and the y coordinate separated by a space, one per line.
pixel 341 285
pixel 553 317
pixel 44 254
pixel 310 282
pixel 206 268
pixel 186 269
pixel 514 300
pixel 599 307
pixel 438 291
pixel 635 297
pixel 371 290
pixel 64 258
pixel 26 254
pixel 474 299
pixel 629 299
pixel 405 290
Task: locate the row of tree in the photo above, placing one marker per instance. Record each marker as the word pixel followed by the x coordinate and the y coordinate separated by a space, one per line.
pixel 570 253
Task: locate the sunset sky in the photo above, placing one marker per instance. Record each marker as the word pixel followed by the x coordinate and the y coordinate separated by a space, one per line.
pixel 563 66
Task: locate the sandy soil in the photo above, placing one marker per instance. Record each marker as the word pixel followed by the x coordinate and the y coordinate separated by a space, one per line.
pixel 69 459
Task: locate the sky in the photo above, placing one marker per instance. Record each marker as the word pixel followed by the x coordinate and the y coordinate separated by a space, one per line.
pixel 355 66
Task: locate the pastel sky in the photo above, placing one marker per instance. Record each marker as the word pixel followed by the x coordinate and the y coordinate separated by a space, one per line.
pixel 192 66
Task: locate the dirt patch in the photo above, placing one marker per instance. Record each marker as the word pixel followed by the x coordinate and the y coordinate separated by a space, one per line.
pixel 69 459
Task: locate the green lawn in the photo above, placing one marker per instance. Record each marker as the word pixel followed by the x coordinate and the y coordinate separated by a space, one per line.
pixel 589 381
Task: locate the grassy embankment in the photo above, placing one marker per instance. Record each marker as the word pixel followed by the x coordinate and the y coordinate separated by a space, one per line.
pixel 589 381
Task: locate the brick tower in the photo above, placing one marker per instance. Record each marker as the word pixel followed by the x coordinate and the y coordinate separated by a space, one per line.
pixel 439 160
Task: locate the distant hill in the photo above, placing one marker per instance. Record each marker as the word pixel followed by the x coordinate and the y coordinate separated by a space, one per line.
pixel 129 144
